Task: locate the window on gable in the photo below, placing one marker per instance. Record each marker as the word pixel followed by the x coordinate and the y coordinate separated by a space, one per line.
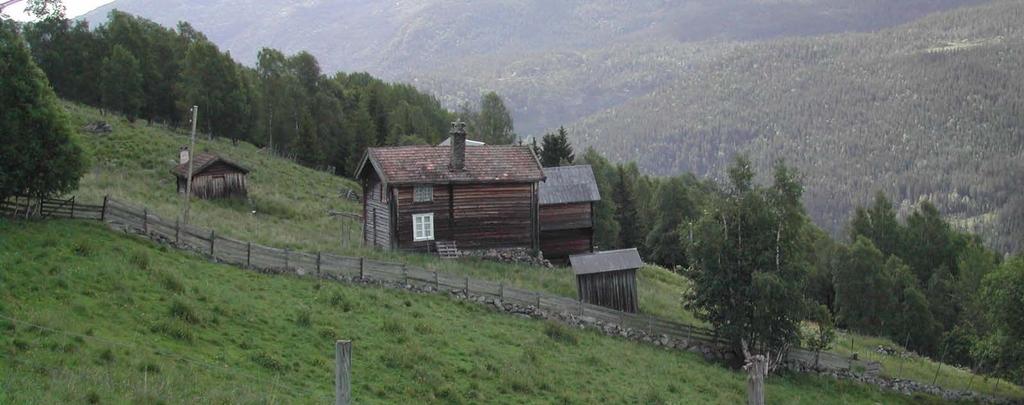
pixel 422 227
pixel 423 193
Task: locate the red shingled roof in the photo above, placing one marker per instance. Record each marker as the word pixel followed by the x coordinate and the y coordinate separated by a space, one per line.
pixel 201 162
pixel 430 164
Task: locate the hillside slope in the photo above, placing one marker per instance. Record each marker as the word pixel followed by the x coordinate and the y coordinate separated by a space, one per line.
pixel 120 320
pixel 131 163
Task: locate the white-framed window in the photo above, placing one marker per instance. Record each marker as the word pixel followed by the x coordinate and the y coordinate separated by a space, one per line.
pixel 423 193
pixel 422 227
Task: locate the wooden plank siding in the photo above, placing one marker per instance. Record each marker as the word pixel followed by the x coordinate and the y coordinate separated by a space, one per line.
pixel 377 214
pixel 566 229
pixel 475 216
pixel 219 180
pixel 616 289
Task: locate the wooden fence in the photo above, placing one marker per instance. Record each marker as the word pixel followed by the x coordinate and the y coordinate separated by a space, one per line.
pixel 140 220
pixel 24 207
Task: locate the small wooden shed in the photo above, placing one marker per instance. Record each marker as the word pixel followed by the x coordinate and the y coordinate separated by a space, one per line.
pixel 212 176
pixel 608 278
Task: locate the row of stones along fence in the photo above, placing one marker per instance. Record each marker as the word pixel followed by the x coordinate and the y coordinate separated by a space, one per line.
pixel 643 328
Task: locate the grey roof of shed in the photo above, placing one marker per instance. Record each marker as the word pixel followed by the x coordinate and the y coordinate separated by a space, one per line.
pixel 602 262
pixel 569 184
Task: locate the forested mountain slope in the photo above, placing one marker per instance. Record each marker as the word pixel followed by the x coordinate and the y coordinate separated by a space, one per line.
pixel 932 109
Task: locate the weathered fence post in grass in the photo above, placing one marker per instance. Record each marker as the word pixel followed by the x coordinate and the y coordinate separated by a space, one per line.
pixel 757 368
pixel 103 214
pixel 286 258
pixel 467 286
pixel 580 302
pixel 538 300
pixel 437 286
pixel 248 254
pixel 177 231
pixel 317 264
pixel 501 291
pixel 145 221
pixel 362 268
pixel 72 207
pixel 342 372
pixel 213 236
pixel 405 275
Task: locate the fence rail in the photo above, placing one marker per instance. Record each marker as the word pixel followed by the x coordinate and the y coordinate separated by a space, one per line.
pixel 140 220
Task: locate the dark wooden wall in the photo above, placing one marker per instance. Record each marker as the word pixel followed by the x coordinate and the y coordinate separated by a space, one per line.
pixel 475 216
pixel 217 181
pixel 377 214
pixel 566 229
pixel 613 289
pixel 406 208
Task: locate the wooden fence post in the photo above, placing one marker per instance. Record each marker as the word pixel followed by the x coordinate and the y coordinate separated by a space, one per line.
pixel 317 264
pixel 342 372
pixel 467 286
pixel 286 258
pixel 213 236
pixel 757 368
pixel 437 286
pixel 177 231
pixel 72 207
pixel 362 267
pixel 103 214
pixel 145 221
pixel 538 300
pixel 405 275
pixel 581 306
pixel 501 291
pixel 248 254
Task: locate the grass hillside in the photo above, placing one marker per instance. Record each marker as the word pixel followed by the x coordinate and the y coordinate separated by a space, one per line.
pixel 132 163
pixel 292 202
pixel 128 321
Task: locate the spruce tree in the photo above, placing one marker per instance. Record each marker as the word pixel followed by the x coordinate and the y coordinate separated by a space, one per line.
pixel 556 150
pixel 676 210
pixel 606 227
pixel 38 157
pixel 626 213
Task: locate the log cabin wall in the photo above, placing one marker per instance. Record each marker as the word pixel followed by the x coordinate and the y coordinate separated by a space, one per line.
pixel 566 229
pixel 376 214
pixel 406 208
pixel 475 216
pixel 217 181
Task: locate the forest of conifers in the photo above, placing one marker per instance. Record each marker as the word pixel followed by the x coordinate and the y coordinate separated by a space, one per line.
pixel 138 68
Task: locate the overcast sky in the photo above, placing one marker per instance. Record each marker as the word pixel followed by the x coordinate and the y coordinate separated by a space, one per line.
pixel 75 8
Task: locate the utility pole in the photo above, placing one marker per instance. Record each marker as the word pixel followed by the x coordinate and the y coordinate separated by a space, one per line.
pixel 191 154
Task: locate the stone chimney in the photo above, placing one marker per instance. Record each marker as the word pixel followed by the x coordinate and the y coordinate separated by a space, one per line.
pixel 183 155
pixel 458 134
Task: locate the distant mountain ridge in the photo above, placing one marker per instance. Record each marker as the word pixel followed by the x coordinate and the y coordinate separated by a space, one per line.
pixel 917 98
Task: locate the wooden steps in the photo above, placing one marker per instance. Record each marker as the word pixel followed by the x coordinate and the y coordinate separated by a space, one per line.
pixel 446 249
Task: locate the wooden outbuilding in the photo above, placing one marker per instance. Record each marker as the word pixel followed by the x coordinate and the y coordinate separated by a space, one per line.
pixel 567 200
pixel 212 176
pixel 608 278
pixel 478 197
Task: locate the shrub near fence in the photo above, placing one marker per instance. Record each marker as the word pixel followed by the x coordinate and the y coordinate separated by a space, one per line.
pixel 131 218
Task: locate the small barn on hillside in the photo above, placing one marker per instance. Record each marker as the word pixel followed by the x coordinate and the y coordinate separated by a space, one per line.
pixel 418 197
pixel 608 278
pixel 212 176
pixel 567 200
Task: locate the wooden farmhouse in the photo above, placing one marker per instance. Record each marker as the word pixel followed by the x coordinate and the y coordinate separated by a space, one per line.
pixel 608 278
pixel 567 200
pixel 212 176
pixel 486 196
